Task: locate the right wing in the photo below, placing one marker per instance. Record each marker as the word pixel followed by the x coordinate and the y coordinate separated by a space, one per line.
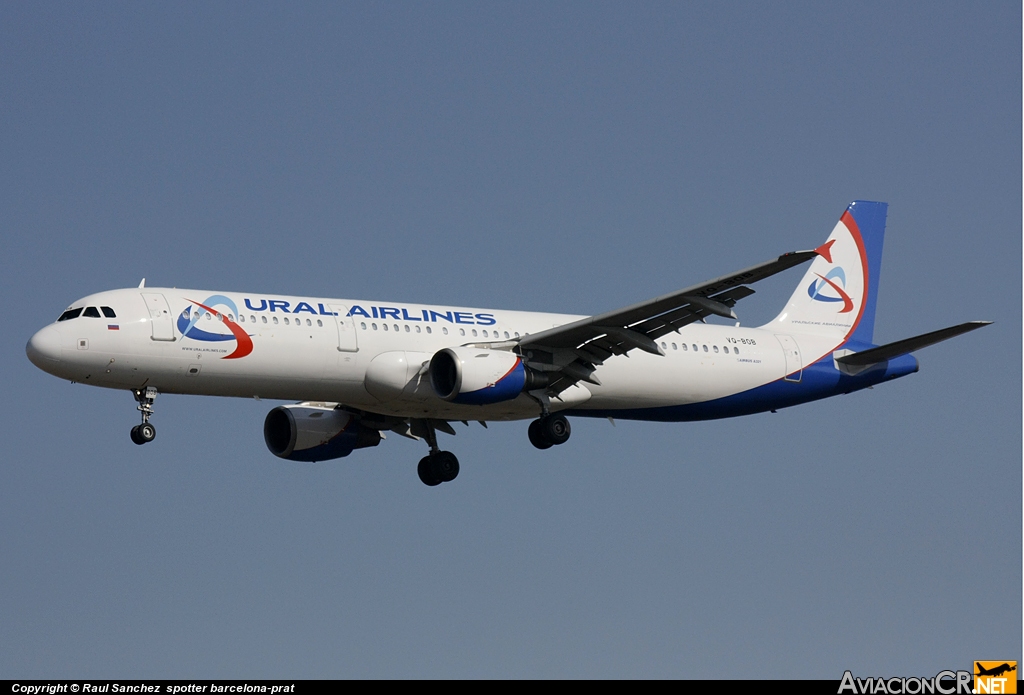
pixel 572 352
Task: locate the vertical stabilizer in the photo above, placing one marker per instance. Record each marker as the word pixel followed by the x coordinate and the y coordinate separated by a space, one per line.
pixel 837 295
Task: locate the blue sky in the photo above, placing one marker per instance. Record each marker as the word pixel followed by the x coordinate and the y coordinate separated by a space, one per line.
pixel 574 157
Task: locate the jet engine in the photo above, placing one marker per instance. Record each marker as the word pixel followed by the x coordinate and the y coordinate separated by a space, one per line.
pixel 308 432
pixel 476 376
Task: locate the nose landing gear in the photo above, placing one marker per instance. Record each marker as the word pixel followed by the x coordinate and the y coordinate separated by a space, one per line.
pixel 146 432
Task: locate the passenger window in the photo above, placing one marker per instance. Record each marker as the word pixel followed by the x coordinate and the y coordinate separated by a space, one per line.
pixel 375 326
pixel 736 351
pixel 92 312
pixel 241 318
pixel 418 329
pixel 264 319
pixel 716 348
pixel 684 347
pixel 663 346
pixel 231 317
pixel 275 321
pixel 385 326
pixel 517 334
pixel 286 321
pixel 444 329
pixel 428 329
pixel 319 323
pixel 362 324
pixel 705 348
pixel 462 331
pixel 407 329
pixel 506 334
pixel 70 314
pixel 474 332
pixel 674 346
pixel 252 318
pixel 108 312
pixel 396 328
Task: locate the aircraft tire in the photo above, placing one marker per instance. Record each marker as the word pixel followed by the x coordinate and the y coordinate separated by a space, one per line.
pixel 537 436
pixel 146 433
pixel 555 429
pixel 446 466
pixel 426 472
pixel 135 435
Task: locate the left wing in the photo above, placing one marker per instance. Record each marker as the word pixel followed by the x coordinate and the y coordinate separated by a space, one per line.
pixel 571 353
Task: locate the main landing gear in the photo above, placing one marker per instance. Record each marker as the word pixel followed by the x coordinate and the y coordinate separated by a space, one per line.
pixel 438 466
pixel 549 430
pixel 144 433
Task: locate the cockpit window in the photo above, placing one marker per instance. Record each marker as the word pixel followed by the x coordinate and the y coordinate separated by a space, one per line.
pixel 92 312
pixel 71 314
pixel 108 312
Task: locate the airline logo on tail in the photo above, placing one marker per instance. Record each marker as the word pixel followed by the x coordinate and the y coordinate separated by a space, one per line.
pixel 837 273
pixel 827 280
pixel 187 321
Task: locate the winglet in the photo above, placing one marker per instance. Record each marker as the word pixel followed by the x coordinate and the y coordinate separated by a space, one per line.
pixel 143 283
pixel 825 250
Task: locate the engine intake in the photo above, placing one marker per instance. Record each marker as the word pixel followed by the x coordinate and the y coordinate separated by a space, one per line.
pixel 477 376
pixel 315 433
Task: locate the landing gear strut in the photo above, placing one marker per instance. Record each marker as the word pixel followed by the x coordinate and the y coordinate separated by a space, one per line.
pixel 438 466
pixel 144 433
pixel 549 430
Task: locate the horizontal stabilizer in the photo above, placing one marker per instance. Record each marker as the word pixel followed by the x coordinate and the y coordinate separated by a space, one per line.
pixel 902 347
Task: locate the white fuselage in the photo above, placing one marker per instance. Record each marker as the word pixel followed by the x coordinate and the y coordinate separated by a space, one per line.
pixel 370 355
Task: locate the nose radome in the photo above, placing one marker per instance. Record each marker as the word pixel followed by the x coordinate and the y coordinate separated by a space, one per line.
pixel 43 348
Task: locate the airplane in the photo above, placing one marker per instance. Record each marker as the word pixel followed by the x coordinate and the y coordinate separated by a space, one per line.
pixel 995 671
pixel 360 369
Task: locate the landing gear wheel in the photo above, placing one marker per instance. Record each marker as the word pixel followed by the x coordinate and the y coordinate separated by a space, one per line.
pixel 537 436
pixel 446 466
pixel 426 472
pixel 146 432
pixel 555 429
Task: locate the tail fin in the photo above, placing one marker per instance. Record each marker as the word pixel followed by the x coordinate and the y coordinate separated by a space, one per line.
pixel 837 295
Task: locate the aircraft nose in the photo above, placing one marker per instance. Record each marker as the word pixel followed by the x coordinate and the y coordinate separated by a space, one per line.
pixel 43 348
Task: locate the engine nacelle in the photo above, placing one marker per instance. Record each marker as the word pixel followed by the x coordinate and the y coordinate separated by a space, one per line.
pixel 476 376
pixel 308 432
